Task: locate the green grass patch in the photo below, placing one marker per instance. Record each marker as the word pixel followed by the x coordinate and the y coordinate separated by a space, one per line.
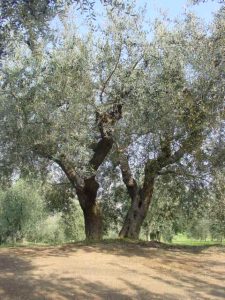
pixel 182 239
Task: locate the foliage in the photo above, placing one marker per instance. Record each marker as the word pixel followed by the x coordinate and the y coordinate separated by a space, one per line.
pixel 217 207
pixel 60 200
pixel 74 222
pixel 173 206
pixel 22 211
pixel 182 239
pixel 195 210
pixel 58 196
pixel 24 215
pixel 199 1
pixel 30 20
pixel 50 230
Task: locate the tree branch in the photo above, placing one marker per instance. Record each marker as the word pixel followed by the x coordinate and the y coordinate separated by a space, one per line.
pixel 62 161
pixel 110 76
pixel 70 171
pixel 134 66
pixel 127 175
pixel 153 167
pixel 105 123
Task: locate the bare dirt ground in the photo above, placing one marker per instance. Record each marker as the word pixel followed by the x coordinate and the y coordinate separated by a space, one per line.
pixel 112 271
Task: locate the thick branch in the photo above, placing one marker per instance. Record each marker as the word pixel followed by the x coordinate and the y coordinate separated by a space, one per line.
pixel 127 176
pixel 70 171
pixel 153 167
pixel 66 165
pixel 106 122
pixel 101 151
pixel 188 146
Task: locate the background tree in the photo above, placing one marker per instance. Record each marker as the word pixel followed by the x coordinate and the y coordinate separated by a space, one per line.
pixel 217 208
pixel 22 210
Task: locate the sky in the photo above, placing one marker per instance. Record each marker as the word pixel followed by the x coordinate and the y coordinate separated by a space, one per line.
pixel 155 8
pixel 175 8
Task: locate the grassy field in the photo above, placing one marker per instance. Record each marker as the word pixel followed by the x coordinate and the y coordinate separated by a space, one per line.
pixel 182 239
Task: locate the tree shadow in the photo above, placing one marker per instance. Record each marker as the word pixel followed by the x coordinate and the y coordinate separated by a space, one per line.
pixel 19 279
pixel 196 288
pixel 140 247
pixel 18 283
pixel 116 247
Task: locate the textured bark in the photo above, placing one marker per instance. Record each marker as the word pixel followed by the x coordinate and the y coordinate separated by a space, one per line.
pixel 91 210
pixel 92 214
pixel 140 201
pixel 93 221
pixel 87 188
pixel 137 213
pixel 101 150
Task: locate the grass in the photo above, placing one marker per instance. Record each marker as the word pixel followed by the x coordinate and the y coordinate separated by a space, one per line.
pixel 183 240
pixel 180 239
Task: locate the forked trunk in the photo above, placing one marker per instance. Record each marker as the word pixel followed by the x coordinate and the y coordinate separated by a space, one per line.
pixel 137 213
pixel 87 188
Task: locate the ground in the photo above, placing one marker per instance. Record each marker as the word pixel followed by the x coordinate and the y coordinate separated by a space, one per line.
pixel 112 271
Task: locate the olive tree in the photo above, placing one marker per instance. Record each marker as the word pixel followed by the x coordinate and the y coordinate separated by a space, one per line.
pixel 176 102
pixel 22 211
pixel 115 97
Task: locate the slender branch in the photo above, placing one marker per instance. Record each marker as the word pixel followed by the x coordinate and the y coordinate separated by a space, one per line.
pixel 182 173
pixel 110 75
pixel 134 66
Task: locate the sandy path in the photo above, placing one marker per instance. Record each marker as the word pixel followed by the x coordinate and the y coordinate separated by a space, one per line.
pixel 111 272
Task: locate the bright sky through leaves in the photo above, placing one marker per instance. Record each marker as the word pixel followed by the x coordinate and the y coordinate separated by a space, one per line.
pixel 174 8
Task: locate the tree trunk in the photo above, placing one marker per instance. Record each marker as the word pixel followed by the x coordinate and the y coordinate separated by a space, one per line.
pixel 137 213
pixel 92 212
pixel 93 221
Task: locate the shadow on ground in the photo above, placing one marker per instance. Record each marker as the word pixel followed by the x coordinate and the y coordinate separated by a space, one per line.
pixel 17 284
pixel 168 267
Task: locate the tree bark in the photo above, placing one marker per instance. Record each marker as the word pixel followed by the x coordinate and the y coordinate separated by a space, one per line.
pixel 140 200
pixel 93 222
pixel 137 213
pixel 87 197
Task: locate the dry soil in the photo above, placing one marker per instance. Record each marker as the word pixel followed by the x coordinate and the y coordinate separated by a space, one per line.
pixel 112 271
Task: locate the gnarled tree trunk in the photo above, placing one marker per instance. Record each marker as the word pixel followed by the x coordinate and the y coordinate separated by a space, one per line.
pixel 137 213
pixel 91 209
pixel 93 221
pixel 141 196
